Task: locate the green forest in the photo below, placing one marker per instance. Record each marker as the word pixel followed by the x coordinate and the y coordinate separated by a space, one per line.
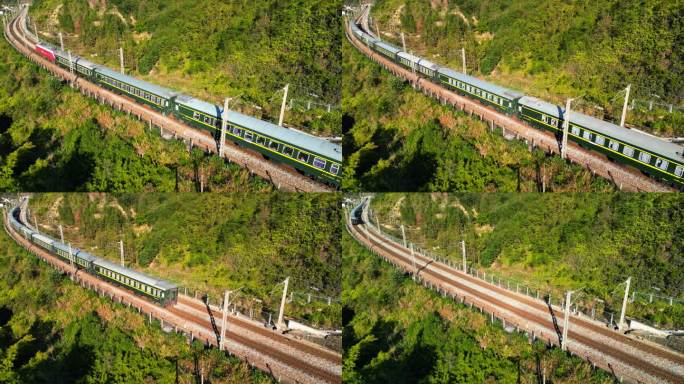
pixel 214 242
pixel 396 331
pixel 397 139
pixel 557 242
pixel 54 139
pixel 54 331
pixel 557 49
pixel 214 49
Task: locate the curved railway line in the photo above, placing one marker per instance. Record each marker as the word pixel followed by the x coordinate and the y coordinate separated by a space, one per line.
pixel 287 359
pixel 627 358
pixel 281 176
pixel 624 177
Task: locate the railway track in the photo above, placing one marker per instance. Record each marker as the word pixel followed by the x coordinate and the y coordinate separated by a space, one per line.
pixel 627 358
pixel 623 177
pixel 287 359
pixel 281 176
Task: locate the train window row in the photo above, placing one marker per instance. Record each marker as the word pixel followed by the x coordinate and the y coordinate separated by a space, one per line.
pixel 426 71
pixel 384 51
pixel 133 90
pixel 286 150
pixel 476 91
pixel 130 282
pixel 83 70
pixel 616 146
pixel 267 143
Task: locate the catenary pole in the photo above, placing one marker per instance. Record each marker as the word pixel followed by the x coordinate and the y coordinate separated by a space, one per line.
pixel 121 59
pixel 413 261
pixel 282 107
pixel 566 321
pixel 121 250
pixel 463 250
pixel 224 126
pixel 403 235
pixel 566 127
pixel 464 60
pixel 226 302
pixel 281 324
pixel 624 107
pixel 624 304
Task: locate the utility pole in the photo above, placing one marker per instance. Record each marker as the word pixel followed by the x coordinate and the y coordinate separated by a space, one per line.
pixel 71 258
pixel 413 261
pixel 226 301
pixel 71 63
pixel 566 127
pixel 465 268
pixel 122 60
pixel 564 342
pixel 61 41
pixel 403 235
pixel 122 252
pixel 282 107
pixel 403 42
pixel 624 107
pixel 224 126
pixel 463 59
pixel 624 304
pixel 61 233
pixel 281 324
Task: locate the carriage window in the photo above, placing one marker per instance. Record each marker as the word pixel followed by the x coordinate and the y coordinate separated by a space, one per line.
pixel 614 145
pixel 248 136
pixel 196 115
pixel 236 131
pixel 662 164
pixel 207 120
pixel 679 171
pixel 629 151
pixel 261 140
pixel 334 169
pixel 645 157
pixel 554 122
pixel 575 131
pixel 586 135
pixel 303 157
pixel 273 145
pixel 600 140
pixel 544 118
pixel 288 151
pixel 319 163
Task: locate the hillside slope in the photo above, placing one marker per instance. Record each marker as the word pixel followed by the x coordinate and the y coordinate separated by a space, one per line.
pixel 212 242
pixel 54 139
pixel 214 49
pixel 556 49
pixel 396 331
pixel 557 242
pixel 53 331
pixel 397 139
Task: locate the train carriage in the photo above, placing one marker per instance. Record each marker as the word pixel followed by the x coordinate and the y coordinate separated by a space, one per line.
pixel 428 68
pixel 42 241
pixel 385 49
pixel 80 66
pixel 46 50
pixel 652 155
pixel 357 212
pixel 161 291
pixel 159 98
pixel 501 98
pixel 408 60
pixel 312 155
